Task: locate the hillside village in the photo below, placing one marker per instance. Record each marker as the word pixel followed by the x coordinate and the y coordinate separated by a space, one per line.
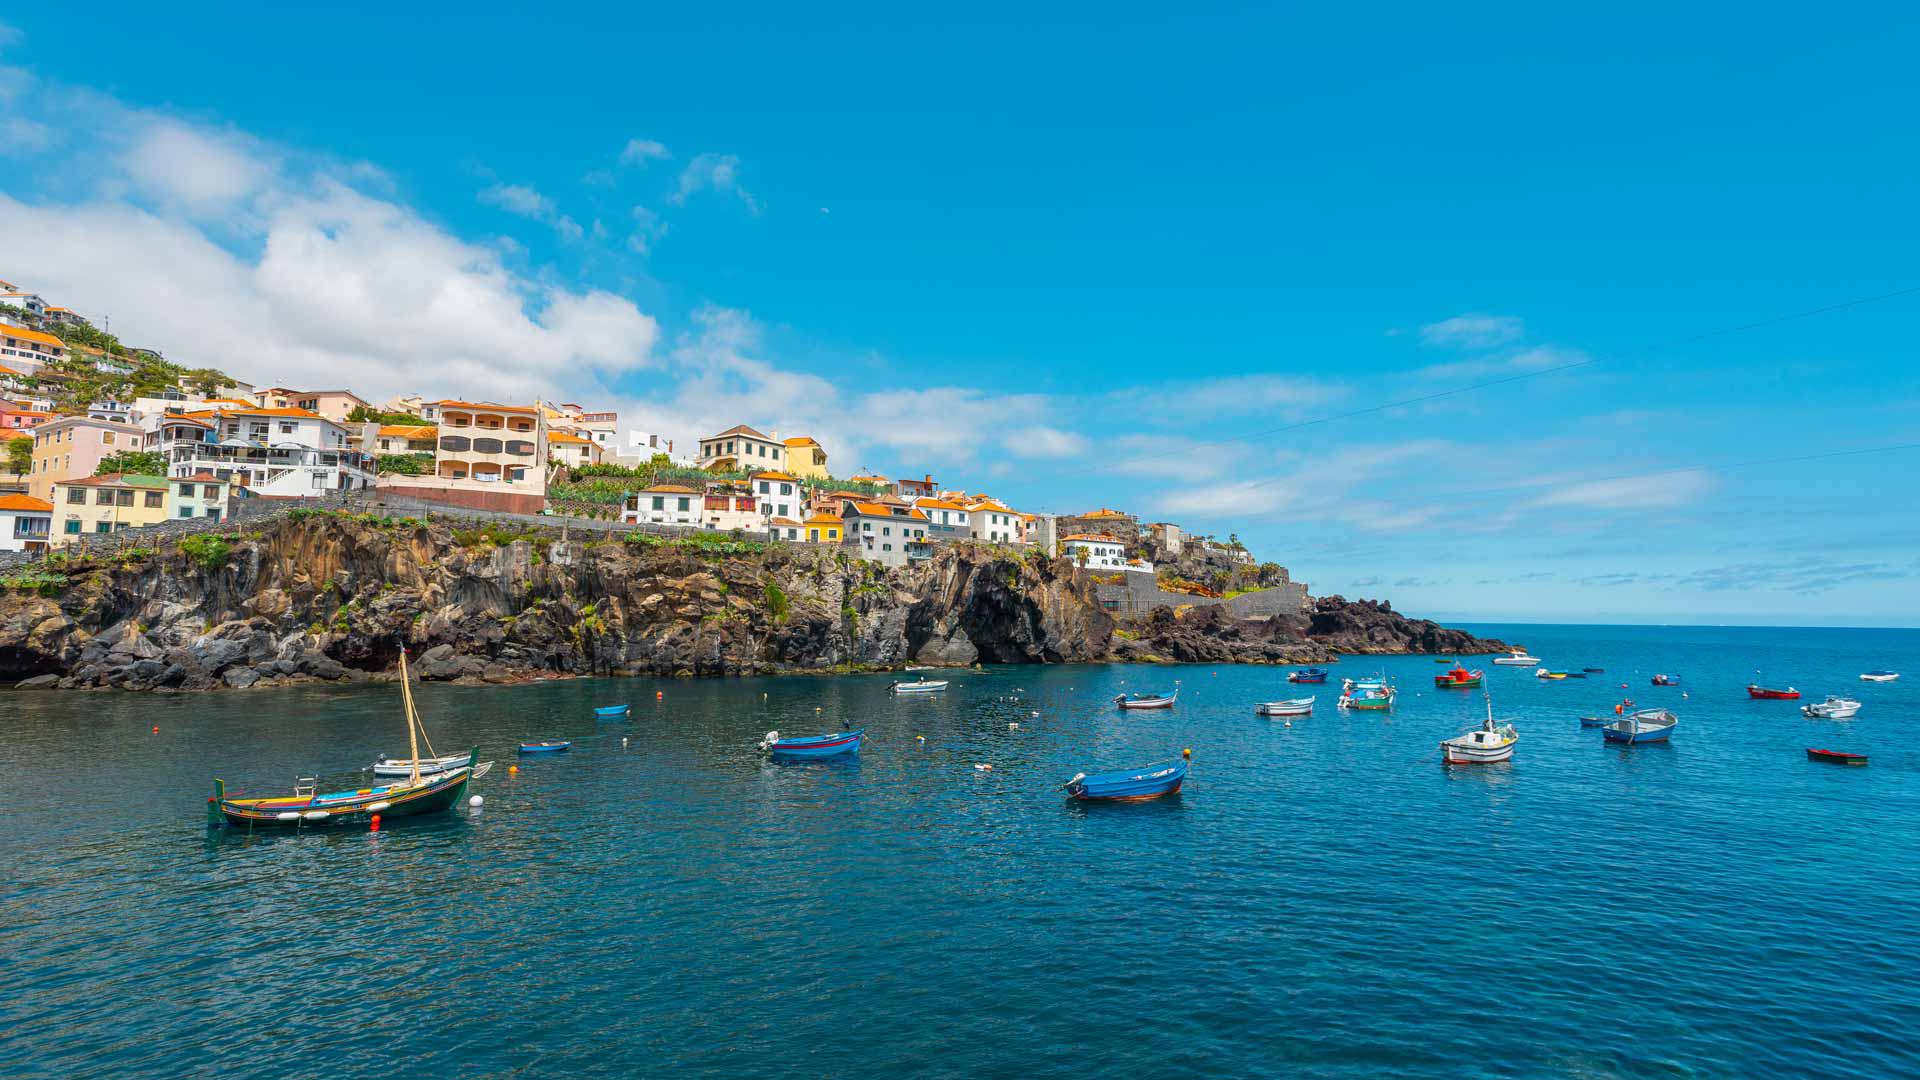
pixel 104 437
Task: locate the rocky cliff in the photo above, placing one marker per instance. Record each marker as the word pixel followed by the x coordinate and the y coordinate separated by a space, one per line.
pixel 323 596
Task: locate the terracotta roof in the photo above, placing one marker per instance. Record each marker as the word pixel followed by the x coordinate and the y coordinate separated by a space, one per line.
pixel 408 431
pixel 24 502
pixel 200 478
pixel 165 420
pixel 134 480
pixel 485 406
pixel 881 510
pixel 940 504
pixel 1096 537
pixel 24 334
pixel 824 519
pixel 673 489
pixel 990 504
pixel 801 440
pixel 780 476
pixel 229 401
pixel 739 429
pixel 782 521
pixel 567 437
pixel 287 413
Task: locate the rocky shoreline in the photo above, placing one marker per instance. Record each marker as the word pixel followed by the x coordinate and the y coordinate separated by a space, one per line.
pixel 323 597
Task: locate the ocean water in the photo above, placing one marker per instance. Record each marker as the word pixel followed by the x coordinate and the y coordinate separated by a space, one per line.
pixel 1324 900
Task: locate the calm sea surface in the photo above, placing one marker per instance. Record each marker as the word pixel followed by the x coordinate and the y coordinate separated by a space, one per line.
pixel 1325 900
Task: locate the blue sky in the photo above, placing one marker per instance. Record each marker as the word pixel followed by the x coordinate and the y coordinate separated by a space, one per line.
pixel 1075 259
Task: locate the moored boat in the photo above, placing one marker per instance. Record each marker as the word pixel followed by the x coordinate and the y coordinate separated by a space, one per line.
pixel 1130 785
pixel 813 746
pixel 1146 701
pixel 1762 693
pixel 399 766
pixel 1310 675
pixel 1593 670
pixel 418 793
pixel 1879 676
pixel 612 712
pixel 1645 726
pixel 546 746
pixel 1834 708
pixel 922 686
pixel 1666 680
pixel 1835 757
pixel 1543 673
pixel 1459 679
pixel 1517 658
pixel 1292 707
pixel 1594 721
pixel 1375 693
pixel 1488 743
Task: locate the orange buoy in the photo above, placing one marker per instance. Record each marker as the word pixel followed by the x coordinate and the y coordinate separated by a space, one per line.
pixel 1187 753
pixel 511 769
pixel 373 824
pixel 658 694
pixel 156 729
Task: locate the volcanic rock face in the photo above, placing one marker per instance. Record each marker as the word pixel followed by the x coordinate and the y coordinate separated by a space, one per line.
pixel 335 597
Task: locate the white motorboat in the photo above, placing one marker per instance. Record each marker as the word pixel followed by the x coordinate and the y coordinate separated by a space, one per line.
pixel 1490 742
pixel 1879 676
pixel 1292 707
pixel 1834 708
pixel 1517 658
pixel 924 686
pixel 393 766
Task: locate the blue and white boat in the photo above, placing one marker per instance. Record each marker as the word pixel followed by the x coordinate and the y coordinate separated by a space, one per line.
pixel 813 746
pixel 1130 785
pixel 546 746
pixel 1310 675
pixel 612 712
pixel 921 686
pixel 1645 726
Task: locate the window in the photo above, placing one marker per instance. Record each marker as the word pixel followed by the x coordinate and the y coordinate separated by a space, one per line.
pixel 213 512
pixel 659 502
pixel 886 530
pixel 186 511
pixel 102 526
pixel 186 491
pixel 77 496
pixel 786 489
pixel 866 526
pixel 766 488
pixel 886 547
pixel 813 535
pixel 683 503
pixel 210 491
pixel 103 497
pixel 488 446
pixel 106 438
pixel 319 480
pixel 286 428
pixel 155 499
pixel 783 510
pixel 73 526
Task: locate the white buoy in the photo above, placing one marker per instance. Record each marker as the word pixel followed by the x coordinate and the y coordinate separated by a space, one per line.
pixel 984 767
pixel 379 806
pixel 623 740
pixel 317 815
pixel 1036 713
pixel 287 816
pixel 1013 727
pixel 476 800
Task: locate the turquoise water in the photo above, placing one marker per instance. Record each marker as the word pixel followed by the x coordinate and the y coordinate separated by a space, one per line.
pixel 1325 900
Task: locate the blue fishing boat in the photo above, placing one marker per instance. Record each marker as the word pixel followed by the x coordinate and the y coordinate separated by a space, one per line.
pixel 1645 726
pixel 1130 785
pixel 1310 675
pixel 545 746
pixel 612 712
pixel 813 746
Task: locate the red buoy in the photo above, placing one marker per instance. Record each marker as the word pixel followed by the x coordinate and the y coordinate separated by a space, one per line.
pixel 373 824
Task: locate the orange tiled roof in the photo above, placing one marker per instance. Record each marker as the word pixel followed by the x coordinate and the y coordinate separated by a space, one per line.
pixel 780 476
pixel 824 519
pixel 801 440
pixel 199 478
pixel 165 420
pixel 566 437
pixel 25 334
pixel 485 406
pixel 288 413
pixel 940 504
pixel 409 431
pixel 882 510
pixel 782 521
pixel 24 502
pixel 1096 537
pixel 673 489
pixel 864 479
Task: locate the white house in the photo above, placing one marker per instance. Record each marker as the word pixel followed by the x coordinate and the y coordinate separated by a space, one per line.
pixel 731 506
pixel 887 534
pixel 272 451
pixel 784 528
pixel 25 523
pixel 779 494
pixel 946 518
pixel 1102 552
pixel 995 523
pixel 665 504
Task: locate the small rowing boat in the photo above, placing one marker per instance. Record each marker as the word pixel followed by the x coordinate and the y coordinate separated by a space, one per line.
pixel 1835 757
pixel 1879 676
pixel 1310 675
pixel 1130 785
pixel 1543 673
pixel 612 712
pixel 1594 721
pixel 1645 726
pixel 1517 658
pixel 923 686
pixel 1459 679
pixel 1146 701
pixel 399 766
pixel 1762 693
pixel 813 746
pixel 1593 670
pixel 1834 708
pixel 545 746
pixel 1666 680
pixel 1293 707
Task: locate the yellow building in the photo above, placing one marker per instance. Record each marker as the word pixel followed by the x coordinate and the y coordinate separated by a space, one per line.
pixel 106 504
pixel 806 458
pixel 824 528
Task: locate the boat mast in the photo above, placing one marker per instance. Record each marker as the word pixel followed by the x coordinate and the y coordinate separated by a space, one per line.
pixel 406 696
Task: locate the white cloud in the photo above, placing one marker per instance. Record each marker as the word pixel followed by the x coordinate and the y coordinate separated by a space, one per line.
pixel 1318 487
pixel 641 151
pixel 1522 361
pixel 1630 493
pixel 647 231
pixel 1043 441
pixel 713 172
pixel 524 201
pixel 19 135
pixel 197 170
pixel 1473 331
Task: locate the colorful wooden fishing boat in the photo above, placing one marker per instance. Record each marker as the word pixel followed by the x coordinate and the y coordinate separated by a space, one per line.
pixel 1459 679
pixel 1666 680
pixel 1146 701
pixel 1372 694
pixel 1645 726
pixel 1310 675
pixel 1293 707
pixel 1762 693
pixel 419 793
pixel 1130 785
pixel 546 746
pixel 612 712
pixel 1835 757
pixel 813 746
pixel 922 686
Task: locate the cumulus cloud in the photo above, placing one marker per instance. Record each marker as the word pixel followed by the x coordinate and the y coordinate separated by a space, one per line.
pixel 713 172
pixel 524 201
pixel 640 151
pixel 1473 331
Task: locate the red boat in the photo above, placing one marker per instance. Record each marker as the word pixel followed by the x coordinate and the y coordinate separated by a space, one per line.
pixel 1835 757
pixel 1789 694
pixel 1458 679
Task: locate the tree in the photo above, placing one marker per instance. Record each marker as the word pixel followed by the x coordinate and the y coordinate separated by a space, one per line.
pixel 20 456
pixel 363 415
pixel 143 462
